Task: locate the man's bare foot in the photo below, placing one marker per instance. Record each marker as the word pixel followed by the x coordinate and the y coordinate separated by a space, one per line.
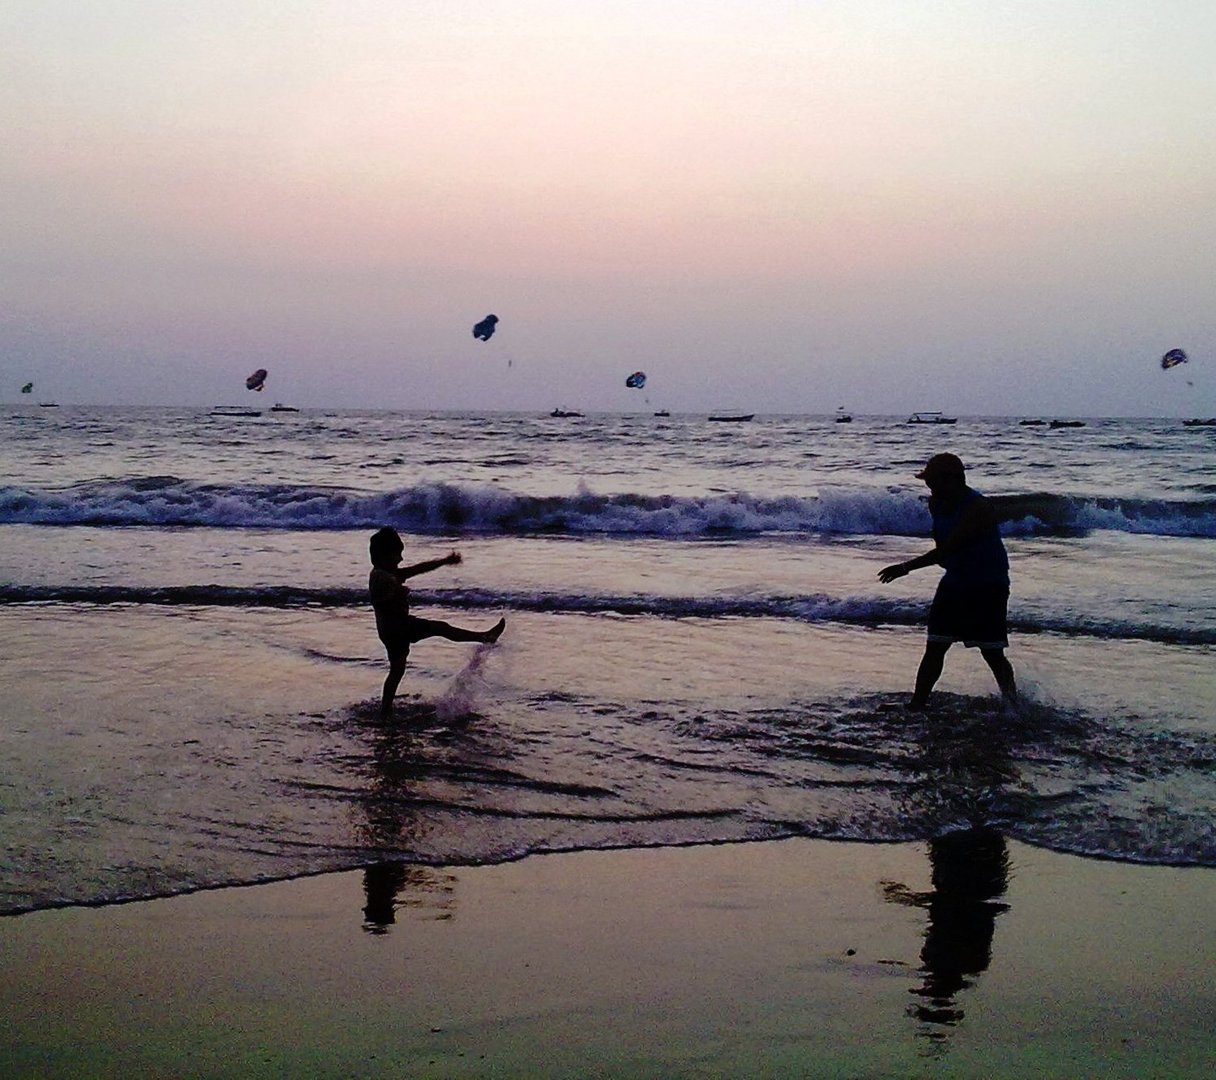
pixel 495 631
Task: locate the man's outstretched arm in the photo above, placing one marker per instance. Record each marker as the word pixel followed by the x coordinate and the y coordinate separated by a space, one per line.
pixel 897 570
pixel 975 518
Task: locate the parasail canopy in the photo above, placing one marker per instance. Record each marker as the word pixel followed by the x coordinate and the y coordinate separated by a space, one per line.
pixel 484 330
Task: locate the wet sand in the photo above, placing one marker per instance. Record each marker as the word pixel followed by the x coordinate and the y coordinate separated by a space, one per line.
pixel 793 958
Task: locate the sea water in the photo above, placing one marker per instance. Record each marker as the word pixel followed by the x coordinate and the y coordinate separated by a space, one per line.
pixel 698 648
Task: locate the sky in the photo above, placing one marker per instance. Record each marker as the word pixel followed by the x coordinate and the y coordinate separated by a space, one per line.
pixel 995 207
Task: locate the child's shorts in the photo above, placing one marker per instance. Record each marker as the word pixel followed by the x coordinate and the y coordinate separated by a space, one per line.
pixel 405 633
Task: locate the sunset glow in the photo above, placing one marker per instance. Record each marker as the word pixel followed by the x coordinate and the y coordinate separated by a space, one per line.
pixel 851 197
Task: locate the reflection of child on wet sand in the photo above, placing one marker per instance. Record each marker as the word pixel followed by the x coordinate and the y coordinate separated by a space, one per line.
pixel 398 629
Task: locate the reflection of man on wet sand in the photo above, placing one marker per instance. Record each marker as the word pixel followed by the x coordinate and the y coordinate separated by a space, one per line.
pixel 970 871
pixel 973 594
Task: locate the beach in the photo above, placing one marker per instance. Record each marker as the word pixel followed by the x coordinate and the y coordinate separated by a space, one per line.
pixel 789 958
pixel 575 541
pixel 677 821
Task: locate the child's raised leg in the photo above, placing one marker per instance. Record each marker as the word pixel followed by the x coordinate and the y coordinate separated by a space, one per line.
pixel 437 628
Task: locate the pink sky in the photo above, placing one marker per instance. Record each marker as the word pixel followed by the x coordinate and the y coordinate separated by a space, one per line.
pixel 896 206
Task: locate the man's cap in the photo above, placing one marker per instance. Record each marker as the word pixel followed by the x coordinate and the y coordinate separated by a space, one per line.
pixel 942 465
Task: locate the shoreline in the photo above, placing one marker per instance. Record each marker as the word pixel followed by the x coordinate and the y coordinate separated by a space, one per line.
pixel 363 866
pixel 788 957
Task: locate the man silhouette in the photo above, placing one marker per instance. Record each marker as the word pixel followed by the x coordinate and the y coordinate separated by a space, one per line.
pixel 973 594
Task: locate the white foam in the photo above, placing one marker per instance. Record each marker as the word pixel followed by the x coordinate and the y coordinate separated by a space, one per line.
pixel 447 508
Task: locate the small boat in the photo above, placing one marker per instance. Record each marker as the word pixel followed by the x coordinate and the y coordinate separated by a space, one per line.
pixel 1067 423
pixel 662 412
pixel 733 418
pixel 930 418
pixel 48 404
pixel 1209 422
pixel 565 412
pixel 235 410
pixel 1032 423
pixel 278 406
pixel 843 417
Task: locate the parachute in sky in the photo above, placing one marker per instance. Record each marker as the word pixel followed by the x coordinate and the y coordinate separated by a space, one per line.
pixel 257 381
pixel 636 381
pixel 484 330
pixel 1173 358
pixel 28 388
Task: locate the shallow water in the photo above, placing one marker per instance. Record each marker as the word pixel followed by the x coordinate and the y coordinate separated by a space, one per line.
pixel 697 649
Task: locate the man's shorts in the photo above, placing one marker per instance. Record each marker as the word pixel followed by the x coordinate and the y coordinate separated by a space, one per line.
pixel 972 614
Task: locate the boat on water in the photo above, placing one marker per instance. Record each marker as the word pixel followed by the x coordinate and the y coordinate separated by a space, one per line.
pixel 662 412
pixel 278 406
pixel 235 410
pixel 565 412
pixel 843 417
pixel 1032 423
pixel 930 418
pixel 48 404
pixel 733 418
pixel 1067 423
pixel 1209 422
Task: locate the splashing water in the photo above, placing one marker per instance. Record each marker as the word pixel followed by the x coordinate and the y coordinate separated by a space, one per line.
pixel 468 685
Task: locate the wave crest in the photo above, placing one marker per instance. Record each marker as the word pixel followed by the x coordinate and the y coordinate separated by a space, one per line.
pixel 431 508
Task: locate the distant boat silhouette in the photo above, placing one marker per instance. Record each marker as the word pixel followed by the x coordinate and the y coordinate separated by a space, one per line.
pixel 1067 423
pixel 235 410
pixel 565 412
pixel 1209 422
pixel 662 412
pixel 279 407
pixel 843 417
pixel 930 418
pixel 733 418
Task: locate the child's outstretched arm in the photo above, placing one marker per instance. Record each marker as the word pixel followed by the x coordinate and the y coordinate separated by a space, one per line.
pixel 451 559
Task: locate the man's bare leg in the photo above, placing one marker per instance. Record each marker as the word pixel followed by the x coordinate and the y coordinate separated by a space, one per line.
pixel 929 672
pixel 1003 670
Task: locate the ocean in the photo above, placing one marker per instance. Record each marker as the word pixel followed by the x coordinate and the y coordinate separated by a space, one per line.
pixel 698 649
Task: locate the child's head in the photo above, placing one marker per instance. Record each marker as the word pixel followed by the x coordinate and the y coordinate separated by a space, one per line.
pixel 386 547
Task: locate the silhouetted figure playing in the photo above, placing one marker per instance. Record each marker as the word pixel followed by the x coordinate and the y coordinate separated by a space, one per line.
pixel 973 595
pixel 970 875
pixel 398 629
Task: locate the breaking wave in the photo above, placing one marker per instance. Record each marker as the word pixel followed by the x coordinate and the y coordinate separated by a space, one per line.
pixel 454 508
